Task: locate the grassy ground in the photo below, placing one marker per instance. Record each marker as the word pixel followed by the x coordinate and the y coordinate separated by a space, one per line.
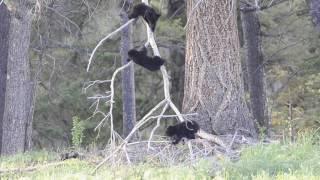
pixel 296 161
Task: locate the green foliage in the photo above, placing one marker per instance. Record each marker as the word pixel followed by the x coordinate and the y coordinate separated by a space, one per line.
pixel 77 132
pixel 262 132
pixel 278 160
pixel 171 29
pixel 292 58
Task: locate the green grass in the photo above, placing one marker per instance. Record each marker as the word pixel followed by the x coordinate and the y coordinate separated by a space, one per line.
pixel 296 161
pixel 27 159
pixel 76 169
pixel 300 160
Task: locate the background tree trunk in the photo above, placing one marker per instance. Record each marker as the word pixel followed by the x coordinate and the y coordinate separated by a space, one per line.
pixel 176 9
pixel 18 92
pixel 213 79
pixel 4 45
pixel 255 67
pixel 315 12
pixel 177 75
pixel 128 87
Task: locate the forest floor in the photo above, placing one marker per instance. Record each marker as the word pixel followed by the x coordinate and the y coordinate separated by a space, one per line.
pixel 283 161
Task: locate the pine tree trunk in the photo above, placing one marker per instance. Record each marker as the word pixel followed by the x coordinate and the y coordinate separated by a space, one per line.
pixel 18 92
pixel 4 45
pixel 255 67
pixel 128 87
pixel 213 79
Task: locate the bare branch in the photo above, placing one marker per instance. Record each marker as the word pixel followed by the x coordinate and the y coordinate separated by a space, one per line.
pixel 109 115
pixel 256 7
pixel 158 124
pixel 65 17
pixel 105 38
pixel 92 83
pixel 122 147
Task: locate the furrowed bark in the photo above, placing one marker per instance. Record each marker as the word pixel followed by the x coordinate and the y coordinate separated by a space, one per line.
pixel 18 91
pixel 4 45
pixel 213 79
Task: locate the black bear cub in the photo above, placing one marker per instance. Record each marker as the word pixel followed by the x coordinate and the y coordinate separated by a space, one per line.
pixel 69 155
pixel 186 129
pixel 148 14
pixel 141 58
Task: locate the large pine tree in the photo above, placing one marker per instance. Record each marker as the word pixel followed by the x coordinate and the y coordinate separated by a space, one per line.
pixel 213 76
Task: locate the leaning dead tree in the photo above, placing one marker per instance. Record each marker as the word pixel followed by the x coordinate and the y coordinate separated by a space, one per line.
pixel 117 143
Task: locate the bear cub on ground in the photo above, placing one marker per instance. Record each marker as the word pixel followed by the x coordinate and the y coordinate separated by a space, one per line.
pixel 186 129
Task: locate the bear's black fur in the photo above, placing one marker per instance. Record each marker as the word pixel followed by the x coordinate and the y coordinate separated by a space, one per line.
pixel 148 14
pixel 141 58
pixel 69 155
pixel 186 129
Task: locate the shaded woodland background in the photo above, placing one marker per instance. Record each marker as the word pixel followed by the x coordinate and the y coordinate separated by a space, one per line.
pixel 66 32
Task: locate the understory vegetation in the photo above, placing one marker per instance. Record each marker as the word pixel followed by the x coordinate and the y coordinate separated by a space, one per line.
pixel 84 113
pixel 283 160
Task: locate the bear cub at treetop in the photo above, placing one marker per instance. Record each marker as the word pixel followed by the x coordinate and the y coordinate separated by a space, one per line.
pixel 148 14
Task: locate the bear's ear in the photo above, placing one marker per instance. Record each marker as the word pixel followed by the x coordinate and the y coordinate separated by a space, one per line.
pixel 132 52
